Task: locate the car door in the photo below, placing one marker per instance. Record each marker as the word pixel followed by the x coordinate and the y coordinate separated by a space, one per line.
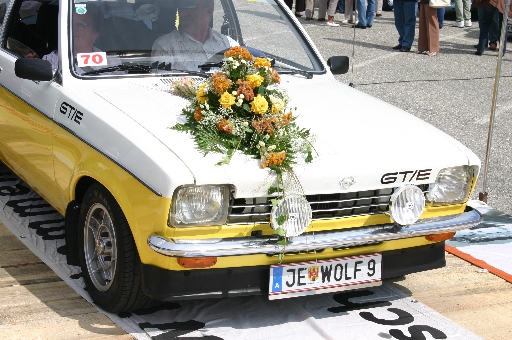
pixel 26 108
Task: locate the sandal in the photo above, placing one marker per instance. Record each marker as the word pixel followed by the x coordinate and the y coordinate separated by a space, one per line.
pixel 432 54
pixel 421 52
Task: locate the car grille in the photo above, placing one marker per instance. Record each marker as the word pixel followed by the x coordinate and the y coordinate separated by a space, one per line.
pixel 324 207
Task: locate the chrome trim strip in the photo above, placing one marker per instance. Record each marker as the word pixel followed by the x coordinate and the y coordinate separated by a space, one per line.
pixel 320 240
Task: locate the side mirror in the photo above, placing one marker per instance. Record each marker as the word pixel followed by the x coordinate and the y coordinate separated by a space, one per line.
pixel 33 69
pixel 338 64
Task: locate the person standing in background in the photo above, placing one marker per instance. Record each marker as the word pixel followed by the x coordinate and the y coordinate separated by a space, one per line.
pixel 366 12
pixel 440 16
pixel 462 13
pixel 428 40
pixel 405 23
pixel 350 14
pixel 378 8
pixel 322 11
pixel 300 6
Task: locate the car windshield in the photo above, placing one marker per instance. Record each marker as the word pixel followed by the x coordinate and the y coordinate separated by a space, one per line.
pixel 182 36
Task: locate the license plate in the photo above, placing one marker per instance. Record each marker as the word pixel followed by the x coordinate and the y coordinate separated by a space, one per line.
pixel 323 276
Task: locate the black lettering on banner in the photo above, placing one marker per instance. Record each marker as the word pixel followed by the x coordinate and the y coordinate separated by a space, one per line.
pixel 344 299
pixel 299 277
pixel 293 275
pixel 7 176
pixel 49 233
pixel 28 210
pixel 326 273
pixel 403 317
pixel 14 190
pixel 423 174
pixel 340 266
pixel 346 272
pixel 371 268
pixel 176 329
pixel 356 269
pixel 417 333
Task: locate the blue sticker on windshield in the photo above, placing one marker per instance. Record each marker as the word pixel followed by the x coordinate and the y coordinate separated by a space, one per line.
pixel 81 9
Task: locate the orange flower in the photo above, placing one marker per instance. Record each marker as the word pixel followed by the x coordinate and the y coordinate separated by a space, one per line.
pixel 223 125
pixel 275 77
pixel 220 83
pixel 262 62
pixel 264 125
pixel 286 118
pixel 245 89
pixel 273 159
pixel 198 114
pixel 238 51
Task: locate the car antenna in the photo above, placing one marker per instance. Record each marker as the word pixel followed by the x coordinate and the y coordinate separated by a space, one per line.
pixel 351 83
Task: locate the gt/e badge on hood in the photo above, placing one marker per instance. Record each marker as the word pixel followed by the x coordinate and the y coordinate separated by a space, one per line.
pixel 405 176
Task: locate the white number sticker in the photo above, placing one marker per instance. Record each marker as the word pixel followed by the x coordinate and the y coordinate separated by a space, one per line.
pixel 92 59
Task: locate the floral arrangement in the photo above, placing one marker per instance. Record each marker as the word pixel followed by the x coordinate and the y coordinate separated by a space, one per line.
pixel 242 108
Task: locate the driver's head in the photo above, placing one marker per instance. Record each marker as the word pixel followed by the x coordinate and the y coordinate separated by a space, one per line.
pixel 195 14
pixel 86 27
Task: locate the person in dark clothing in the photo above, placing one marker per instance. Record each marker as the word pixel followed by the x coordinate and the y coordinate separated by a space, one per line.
pixel 405 23
pixel 300 6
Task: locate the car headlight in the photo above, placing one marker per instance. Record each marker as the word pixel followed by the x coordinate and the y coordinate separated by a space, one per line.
pixel 452 186
pixel 194 205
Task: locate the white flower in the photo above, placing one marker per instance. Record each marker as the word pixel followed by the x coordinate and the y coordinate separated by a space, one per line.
pixel 230 58
pixel 272 147
pixel 206 105
pixel 261 143
pixel 243 61
pixel 233 93
pixel 241 96
pixel 245 123
pixel 240 101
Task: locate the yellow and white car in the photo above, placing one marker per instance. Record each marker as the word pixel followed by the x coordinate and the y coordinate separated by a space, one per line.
pixel 148 217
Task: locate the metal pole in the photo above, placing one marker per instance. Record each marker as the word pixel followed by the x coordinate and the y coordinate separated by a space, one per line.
pixel 482 196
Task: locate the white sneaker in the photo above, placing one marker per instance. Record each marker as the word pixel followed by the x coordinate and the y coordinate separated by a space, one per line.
pixel 332 24
pixel 459 24
pixel 468 23
pixel 344 22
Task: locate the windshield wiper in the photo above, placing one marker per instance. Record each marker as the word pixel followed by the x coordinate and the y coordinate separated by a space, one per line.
pixel 207 66
pixel 122 67
pixel 190 73
pixel 286 70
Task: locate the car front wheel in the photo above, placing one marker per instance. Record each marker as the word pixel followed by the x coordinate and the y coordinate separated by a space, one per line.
pixel 108 256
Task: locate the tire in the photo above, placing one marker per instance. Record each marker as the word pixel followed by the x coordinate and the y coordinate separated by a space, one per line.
pixel 108 256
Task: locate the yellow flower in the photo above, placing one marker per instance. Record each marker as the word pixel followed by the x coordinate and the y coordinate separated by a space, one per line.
pixel 259 105
pixel 254 80
pixel 226 100
pixel 262 62
pixel 201 95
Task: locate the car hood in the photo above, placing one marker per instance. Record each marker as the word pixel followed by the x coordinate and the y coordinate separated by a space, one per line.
pixel 359 139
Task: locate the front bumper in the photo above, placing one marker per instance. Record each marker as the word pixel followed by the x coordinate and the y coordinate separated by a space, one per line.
pixel 168 285
pixel 312 241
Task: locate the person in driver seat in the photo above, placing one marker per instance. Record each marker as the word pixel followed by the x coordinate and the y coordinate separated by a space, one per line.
pixel 86 28
pixel 193 42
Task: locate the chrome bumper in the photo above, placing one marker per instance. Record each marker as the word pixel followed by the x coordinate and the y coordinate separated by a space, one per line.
pixel 311 241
